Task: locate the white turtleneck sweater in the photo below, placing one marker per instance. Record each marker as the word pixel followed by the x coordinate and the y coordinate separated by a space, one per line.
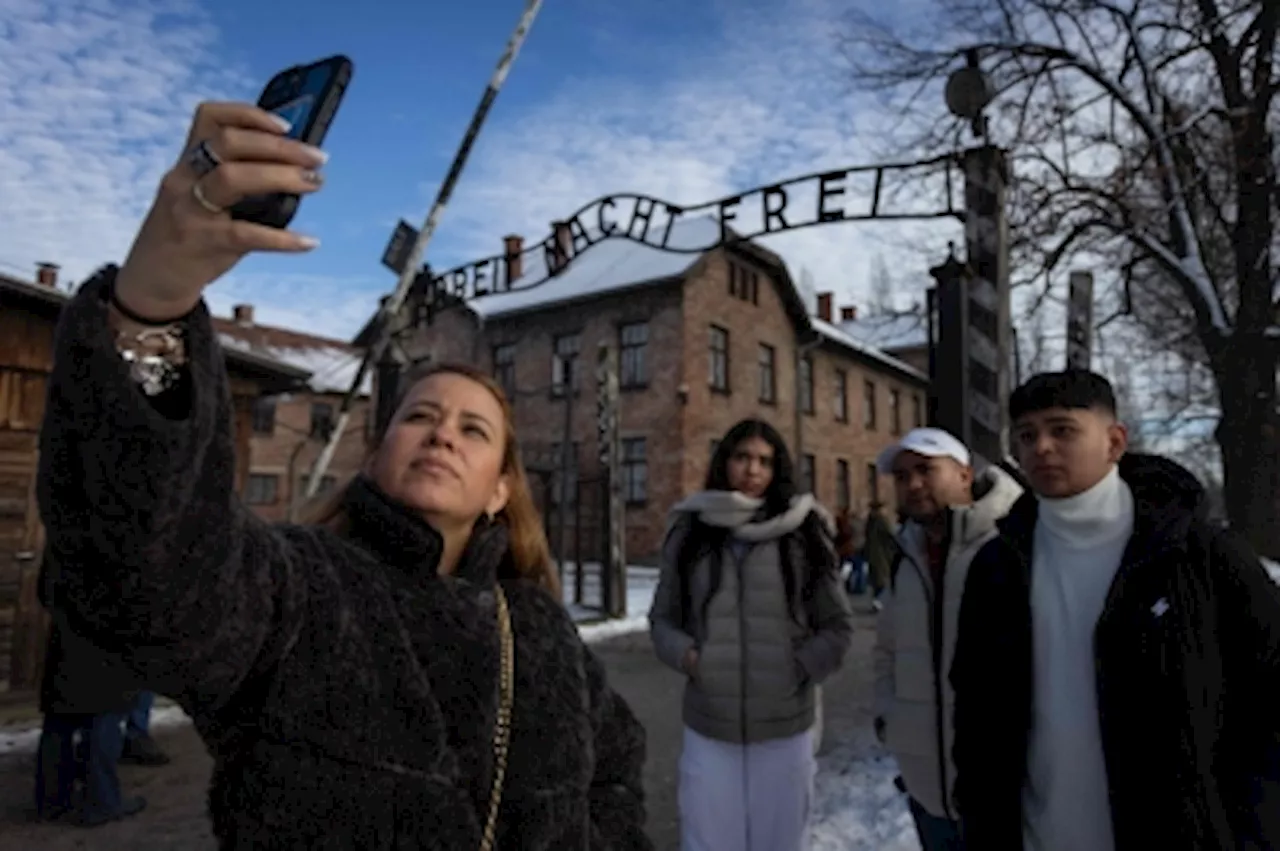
pixel 1079 542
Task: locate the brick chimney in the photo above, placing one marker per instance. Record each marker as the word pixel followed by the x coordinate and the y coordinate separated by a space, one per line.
pixel 824 306
pixel 47 275
pixel 849 313
pixel 513 248
pixel 243 314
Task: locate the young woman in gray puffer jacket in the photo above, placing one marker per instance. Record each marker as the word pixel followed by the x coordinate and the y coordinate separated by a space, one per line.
pixel 750 609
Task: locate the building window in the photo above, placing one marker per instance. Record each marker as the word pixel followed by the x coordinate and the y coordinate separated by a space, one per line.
pixel 262 489
pixel 806 384
pixel 264 415
pixel 321 420
pixel 634 340
pixel 504 368
pixel 719 359
pixel 895 411
pixel 564 356
pixel 917 411
pixel 557 478
pixel 635 471
pixel 869 405
pixel 806 474
pixel 768 375
pixel 843 496
pixel 744 283
pixel 873 484
pixel 842 396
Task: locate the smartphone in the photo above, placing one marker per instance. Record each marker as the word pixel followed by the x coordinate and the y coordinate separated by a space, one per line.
pixel 307 96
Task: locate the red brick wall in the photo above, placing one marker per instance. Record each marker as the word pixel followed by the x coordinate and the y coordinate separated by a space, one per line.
pixel 677 412
pixel 270 454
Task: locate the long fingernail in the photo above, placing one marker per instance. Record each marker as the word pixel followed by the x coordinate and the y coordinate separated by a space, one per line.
pixel 285 125
pixel 313 177
pixel 316 154
pixel 308 242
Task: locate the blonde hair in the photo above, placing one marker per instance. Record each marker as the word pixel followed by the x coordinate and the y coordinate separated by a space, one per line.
pixel 527 540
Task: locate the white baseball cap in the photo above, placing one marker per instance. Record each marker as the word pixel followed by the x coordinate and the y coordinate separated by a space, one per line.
pixel 929 442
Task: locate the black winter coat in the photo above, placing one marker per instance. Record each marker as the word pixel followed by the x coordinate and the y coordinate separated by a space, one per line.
pixel 79 677
pixel 1187 656
pixel 346 691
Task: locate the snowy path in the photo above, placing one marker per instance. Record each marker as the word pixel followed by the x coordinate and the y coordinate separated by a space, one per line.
pixel 856 805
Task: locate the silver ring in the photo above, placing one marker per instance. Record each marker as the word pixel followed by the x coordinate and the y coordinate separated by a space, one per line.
pixel 202 159
pixel 197 192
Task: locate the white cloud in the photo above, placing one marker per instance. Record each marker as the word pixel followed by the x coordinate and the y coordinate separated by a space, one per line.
pixel 96 100
pixel 761 101
pixel 98 94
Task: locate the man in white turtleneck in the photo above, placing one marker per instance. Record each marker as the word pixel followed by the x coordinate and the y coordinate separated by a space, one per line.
pixel 1117 663
pixel 1084 523
pixel 1080 539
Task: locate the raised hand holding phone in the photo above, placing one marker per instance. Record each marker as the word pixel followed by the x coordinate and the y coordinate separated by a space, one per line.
pixel 233 191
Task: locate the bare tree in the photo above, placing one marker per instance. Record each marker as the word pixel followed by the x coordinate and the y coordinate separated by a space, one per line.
pixel 1137 130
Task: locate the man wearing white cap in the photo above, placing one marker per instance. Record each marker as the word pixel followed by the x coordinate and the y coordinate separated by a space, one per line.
pixel 947 515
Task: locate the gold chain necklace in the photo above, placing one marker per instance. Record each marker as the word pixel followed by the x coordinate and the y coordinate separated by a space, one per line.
pixel 502 728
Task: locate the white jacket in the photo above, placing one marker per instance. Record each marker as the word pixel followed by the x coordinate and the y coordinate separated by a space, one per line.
pixel 909 683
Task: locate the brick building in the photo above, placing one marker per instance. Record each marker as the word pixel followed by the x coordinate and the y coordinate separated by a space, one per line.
pixel 289 430
pixel 704 339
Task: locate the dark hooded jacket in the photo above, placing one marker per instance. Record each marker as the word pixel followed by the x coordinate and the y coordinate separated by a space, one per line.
pixel 1187 659
pixel 78 677
pixel 346 691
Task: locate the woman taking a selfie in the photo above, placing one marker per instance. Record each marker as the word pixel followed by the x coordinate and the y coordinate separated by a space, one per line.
pixel 400 674
pixel 749 608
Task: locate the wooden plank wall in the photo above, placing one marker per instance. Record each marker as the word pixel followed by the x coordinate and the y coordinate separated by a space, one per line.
pixel 26 347
pixel 26 352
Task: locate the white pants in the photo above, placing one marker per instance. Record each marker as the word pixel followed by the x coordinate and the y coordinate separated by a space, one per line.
pixel 752 797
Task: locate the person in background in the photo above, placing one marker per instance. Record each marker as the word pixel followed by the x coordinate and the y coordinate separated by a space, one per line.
pixel 750 610
pixel 139 747
pixel 879 550
pixel 1117 667
pixel 849 549
pixel 948 515
pixel 84 693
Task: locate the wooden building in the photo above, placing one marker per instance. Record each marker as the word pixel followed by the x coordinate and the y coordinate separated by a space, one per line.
pixel 28 316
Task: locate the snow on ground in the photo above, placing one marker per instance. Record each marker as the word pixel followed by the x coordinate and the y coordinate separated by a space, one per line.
pixel 856 806
pixel 641 583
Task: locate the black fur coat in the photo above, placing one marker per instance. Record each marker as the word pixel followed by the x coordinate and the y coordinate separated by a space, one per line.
pixel 346 691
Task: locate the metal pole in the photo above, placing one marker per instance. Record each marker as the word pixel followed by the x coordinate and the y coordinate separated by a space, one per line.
pixel 987 326
pixel 391 307
pixel 613 561
pixel 566 449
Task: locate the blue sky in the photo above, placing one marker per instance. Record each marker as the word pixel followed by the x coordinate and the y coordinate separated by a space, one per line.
pixel 687 100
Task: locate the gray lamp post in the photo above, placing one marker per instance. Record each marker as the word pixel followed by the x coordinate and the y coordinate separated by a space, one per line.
pixel 974 336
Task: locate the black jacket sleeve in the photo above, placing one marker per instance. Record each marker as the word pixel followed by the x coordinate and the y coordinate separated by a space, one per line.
pixel 617 788
pixel 1249 630
pixel 965 751
pixel 157 560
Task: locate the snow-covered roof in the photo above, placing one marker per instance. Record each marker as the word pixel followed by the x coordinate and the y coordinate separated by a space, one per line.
pixel 838 335
pixel 889 331
pixel 332 364
pixel 608 266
